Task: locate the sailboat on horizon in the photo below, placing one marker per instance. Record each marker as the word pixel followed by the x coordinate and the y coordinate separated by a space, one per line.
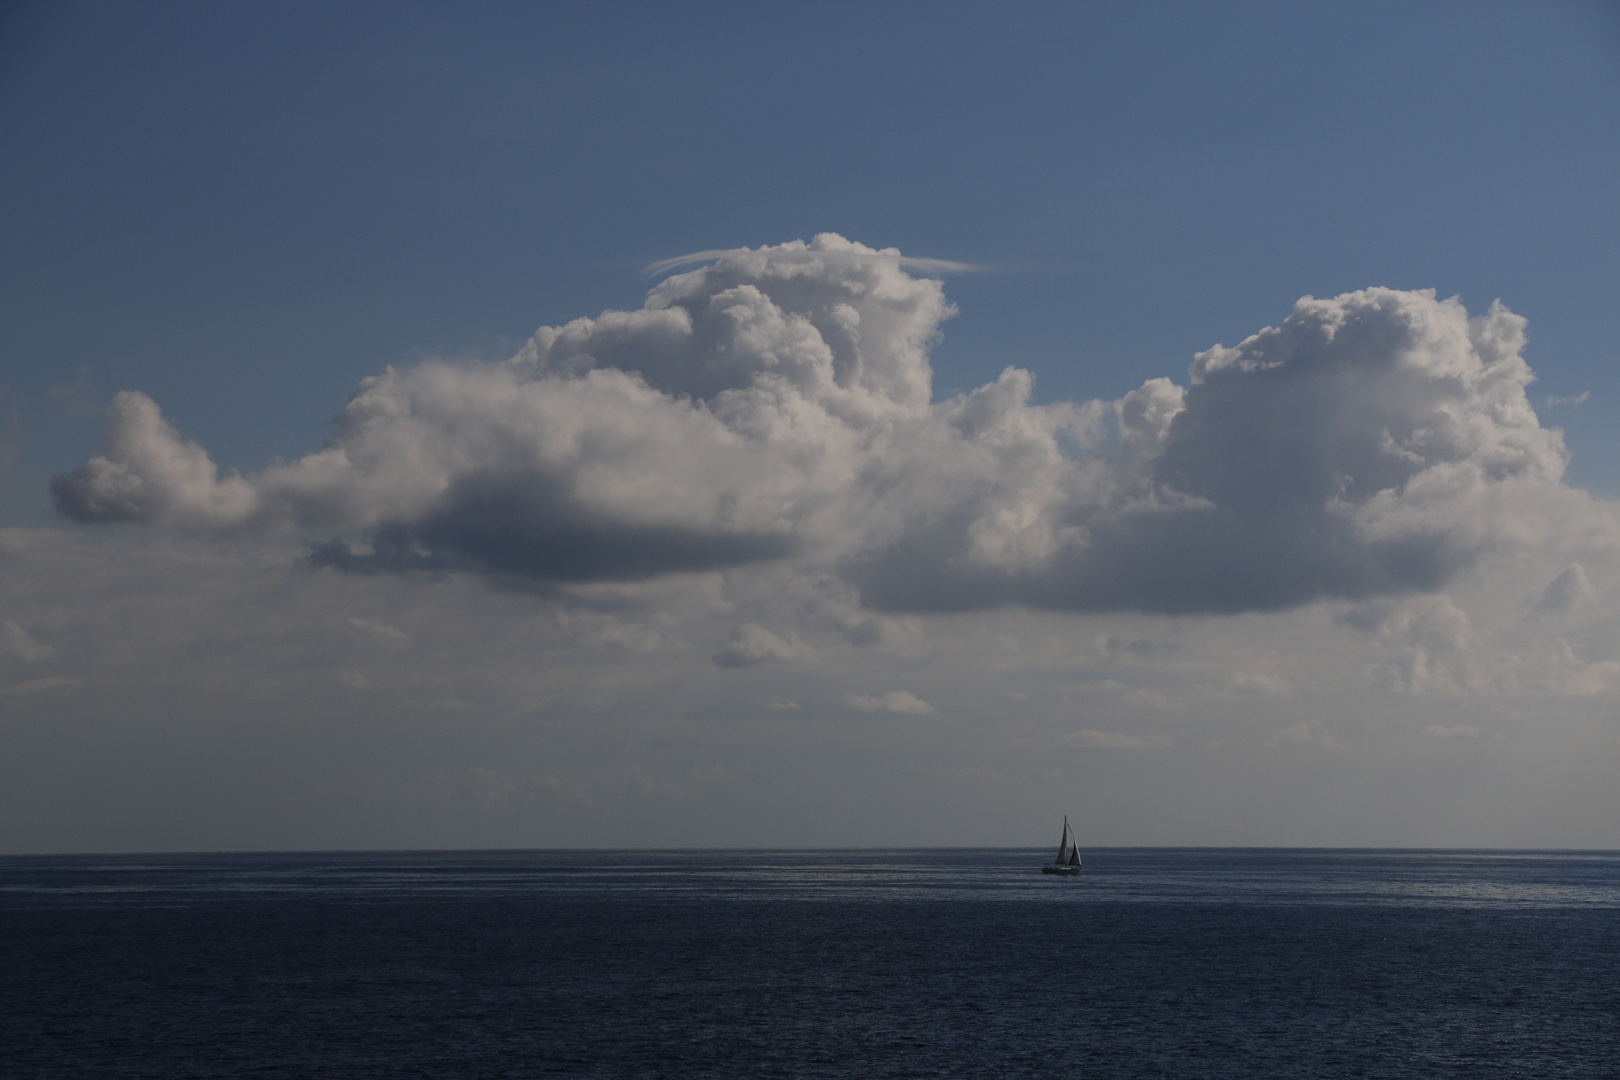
pixel 1068 854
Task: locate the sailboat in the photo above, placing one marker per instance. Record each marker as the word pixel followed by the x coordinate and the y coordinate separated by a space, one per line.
pixel 1068 856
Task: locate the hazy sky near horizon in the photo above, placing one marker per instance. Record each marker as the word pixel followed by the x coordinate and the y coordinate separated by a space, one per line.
pixel 1199 420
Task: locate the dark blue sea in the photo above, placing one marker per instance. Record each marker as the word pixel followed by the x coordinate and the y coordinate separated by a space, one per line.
pixel 931 963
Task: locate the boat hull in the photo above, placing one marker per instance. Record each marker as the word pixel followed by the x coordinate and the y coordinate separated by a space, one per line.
pixel 1053 868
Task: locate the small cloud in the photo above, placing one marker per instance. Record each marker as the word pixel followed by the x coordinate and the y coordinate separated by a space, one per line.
pixel 20 643
pixel 1255 682
pixel 783 706
pixel 1455 731
pixel 1304 733
pixel 879 630
pixel 1553 400
pixel 752 644
pixel 601 630
pixel 53 684
pixel 381 633
pixel 1137 697
pixel 72 395
pixel 1087 739
pixel 473 788
pixel 895 701
pixel 1118 646
pixel 354 680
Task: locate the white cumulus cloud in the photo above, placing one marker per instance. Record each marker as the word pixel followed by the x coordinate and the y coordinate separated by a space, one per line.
pixel 777 404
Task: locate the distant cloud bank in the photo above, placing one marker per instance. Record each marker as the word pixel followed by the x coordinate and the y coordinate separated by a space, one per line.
pixel 776 403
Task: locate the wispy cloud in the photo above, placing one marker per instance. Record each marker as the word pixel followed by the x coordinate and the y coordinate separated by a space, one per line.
pixel 1255 682
pixel 374 631
pixel 789 254
pixel 75 396
pixel 18 642
pixel 50 684
pixel 753 644
pixel 1304 733
pixel 894 701
pixel 1087 739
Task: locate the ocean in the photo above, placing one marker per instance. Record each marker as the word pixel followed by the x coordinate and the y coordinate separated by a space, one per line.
pixel 1157 962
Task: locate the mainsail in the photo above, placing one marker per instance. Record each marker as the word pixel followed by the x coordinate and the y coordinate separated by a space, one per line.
pixel 1068 848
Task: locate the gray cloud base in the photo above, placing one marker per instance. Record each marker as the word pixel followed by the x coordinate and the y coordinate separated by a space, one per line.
pixel 776 404
pixel 525 527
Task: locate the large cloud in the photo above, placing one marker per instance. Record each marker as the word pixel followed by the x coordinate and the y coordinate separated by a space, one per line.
pixel 776 403
pixel 1374 443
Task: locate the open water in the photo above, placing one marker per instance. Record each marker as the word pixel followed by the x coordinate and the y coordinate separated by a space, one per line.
pixel 1153 963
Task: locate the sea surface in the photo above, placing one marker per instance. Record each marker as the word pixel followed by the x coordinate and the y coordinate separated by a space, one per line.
pixel 921 963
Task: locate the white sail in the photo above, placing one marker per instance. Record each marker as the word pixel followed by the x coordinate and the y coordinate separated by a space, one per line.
pixel 1068 853
pixel 1068 848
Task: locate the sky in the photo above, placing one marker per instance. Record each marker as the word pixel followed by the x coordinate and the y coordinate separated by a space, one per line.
pixel 615 425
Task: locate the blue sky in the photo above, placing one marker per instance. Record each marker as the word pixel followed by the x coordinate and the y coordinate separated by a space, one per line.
pixel 243 211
